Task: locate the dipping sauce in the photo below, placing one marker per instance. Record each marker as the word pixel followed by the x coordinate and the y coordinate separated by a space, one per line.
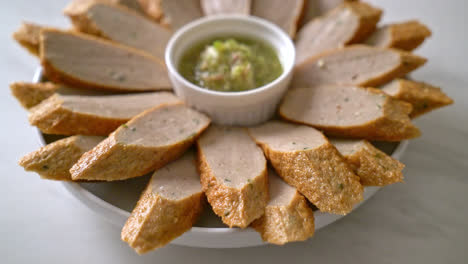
pixel 230 64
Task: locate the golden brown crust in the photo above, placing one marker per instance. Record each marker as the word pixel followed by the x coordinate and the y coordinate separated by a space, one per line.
pixel 52 118
pixel 236 207
pixel 54 161
pixel 83 22
pixel 315 8
pixel 28 36
pixel 368 16
pixel 31 94
pixel 394 125
pixel 152 8
pixel 311 68
pixel 348 23
pixel 320 174
pixel 283 224
pixel 112 160
pixel 374 167
pixel 60 76
pixel 156 221
pixel 405 36
pixel 422 96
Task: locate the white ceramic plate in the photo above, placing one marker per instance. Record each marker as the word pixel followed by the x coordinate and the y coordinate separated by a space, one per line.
pixel 115 200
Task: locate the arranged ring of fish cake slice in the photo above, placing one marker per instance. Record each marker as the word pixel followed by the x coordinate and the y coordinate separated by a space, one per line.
pixel 93 115
pixel 28 36
pixel 133 30
pixel 82 60
pixel 285 14
pixel 422 96
pixel 53 161
pixel 350 111
pixel 147 142
pixel 350 22
pixel 356 65
pixel 374 167
pixel 219 7
pixel 233 175
pixel 406 36
pixel 180 12
pixel 169 206
pixel 315 8
pixel 31 94
pixel 304 158
pixel 287 217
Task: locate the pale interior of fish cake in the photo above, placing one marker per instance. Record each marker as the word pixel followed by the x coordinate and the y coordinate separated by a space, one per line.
pixel 164 126
pixel 177 180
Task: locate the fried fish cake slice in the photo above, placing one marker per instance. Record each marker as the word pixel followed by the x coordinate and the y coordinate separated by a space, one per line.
pixel 81 60
pixel 315 8
pixel 373 166
pixel 93 115
pixel 28 36
pixel 305 159
pixel 218 7
pixel 350 111
pixel 53 161
pixel 233 175
pixel 350 22
pixel 285 14
pixel 31 94
pixel 287 217
pixel 405 36
pixel 176 14
pixel 356 65
pixel 147 142
pixel 422 96
pixel 169 206
pixel 137 32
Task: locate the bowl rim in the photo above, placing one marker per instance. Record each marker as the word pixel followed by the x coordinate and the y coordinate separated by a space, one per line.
pixel 172 69
pixel 114 214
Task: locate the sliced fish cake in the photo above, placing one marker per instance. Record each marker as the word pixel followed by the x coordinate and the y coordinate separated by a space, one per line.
pixel 356 65
pixel 169 206
pixel 152 8
pixel 81 60
pixel 93 115
pixel 147 142
pixel 76 7
pixel 233 175
pixel 284 14
pixel 350 111
pixel 124 26
pixel 406 36
pixel 422 96
pixel 374 167
pixel 31 94
pixel 304 158
pixel 180 12
pixel 53 161
pixel 315 8
pixel 28 36
pixel 350 22
pixel 219 7
pixel 287 217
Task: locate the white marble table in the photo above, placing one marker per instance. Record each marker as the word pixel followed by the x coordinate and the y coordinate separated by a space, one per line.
pixel 424 220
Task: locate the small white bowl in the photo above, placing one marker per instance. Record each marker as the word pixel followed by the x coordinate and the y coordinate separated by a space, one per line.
pixel 231 108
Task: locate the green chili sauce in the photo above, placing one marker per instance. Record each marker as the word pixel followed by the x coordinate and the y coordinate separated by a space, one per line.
pixel 230 64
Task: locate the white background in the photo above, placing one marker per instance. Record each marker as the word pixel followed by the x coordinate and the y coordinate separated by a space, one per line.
pixel 424 220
